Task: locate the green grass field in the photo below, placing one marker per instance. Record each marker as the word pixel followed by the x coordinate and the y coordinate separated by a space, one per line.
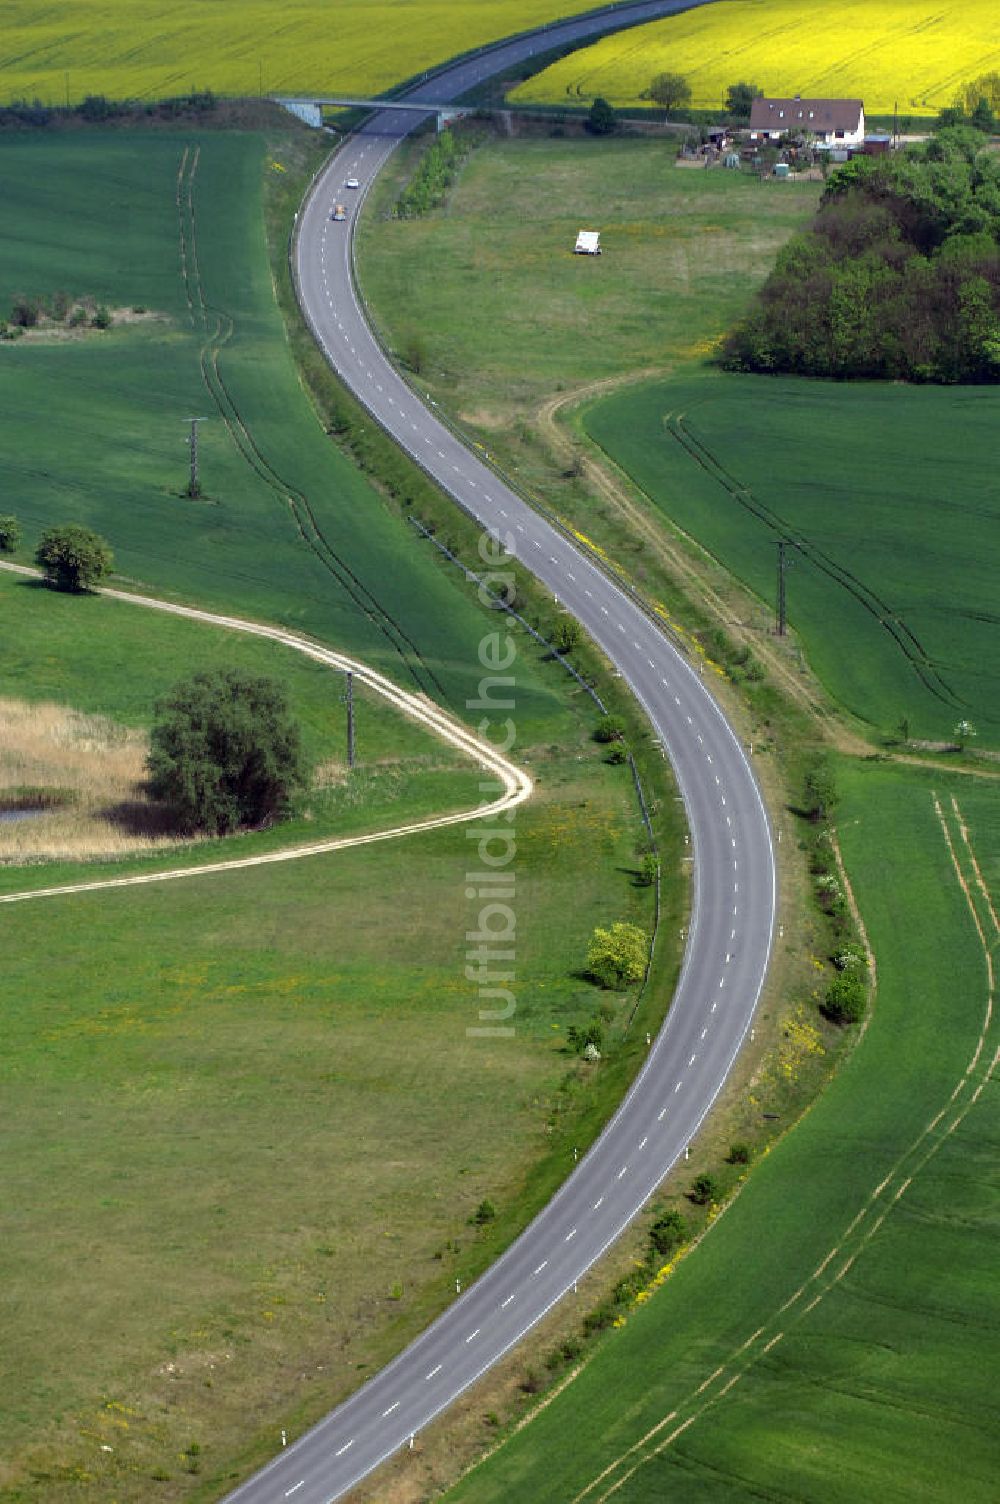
pixel 505 315
pixel 889 491
pixel 912 53
pixel 135 49
pixel 829 1340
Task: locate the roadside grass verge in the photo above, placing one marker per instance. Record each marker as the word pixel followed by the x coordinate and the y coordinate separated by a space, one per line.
pixel 861 1246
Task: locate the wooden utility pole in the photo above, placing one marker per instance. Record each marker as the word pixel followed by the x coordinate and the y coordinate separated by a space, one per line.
pixel 349 697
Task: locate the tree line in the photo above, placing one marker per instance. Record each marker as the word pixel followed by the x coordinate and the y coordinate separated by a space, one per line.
pixel 898 277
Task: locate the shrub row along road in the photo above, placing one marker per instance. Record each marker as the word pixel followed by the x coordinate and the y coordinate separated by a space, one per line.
pixel 734 890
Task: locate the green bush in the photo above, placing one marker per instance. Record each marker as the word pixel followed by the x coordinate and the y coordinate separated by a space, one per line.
pixel 845 999
pixel 739 1153
pixel 704 1188
pixel 484 1212
pixel 10 535
pixel 610 728
pixel 667 1233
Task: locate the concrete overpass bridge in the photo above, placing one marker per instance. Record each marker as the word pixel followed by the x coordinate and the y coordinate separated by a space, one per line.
pixel 310 107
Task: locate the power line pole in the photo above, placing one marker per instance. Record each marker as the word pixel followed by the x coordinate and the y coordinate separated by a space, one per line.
pixel 782 566
pixel 349 697
pixel 194 484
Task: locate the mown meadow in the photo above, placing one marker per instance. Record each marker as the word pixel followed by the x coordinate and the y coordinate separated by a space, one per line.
pixel 246 1127
pixel 829 1338
pixel 912 53
pixel 137 49
pixel 502 315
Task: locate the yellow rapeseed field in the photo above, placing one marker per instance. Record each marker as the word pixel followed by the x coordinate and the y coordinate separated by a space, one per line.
pixel 916 52
pixel 148 49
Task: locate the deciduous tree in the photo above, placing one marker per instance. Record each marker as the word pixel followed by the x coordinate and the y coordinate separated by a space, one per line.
pixel 225 752
pixel 73 557
pixel 671 91
pixel 616 957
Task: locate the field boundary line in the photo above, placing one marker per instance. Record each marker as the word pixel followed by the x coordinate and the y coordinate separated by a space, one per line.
pixel 515 784
pixel 886 1195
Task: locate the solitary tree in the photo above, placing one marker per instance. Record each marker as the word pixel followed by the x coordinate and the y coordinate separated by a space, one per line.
pixel 671 91
pixel 617 956
pixel 10 534
pixel 225 752
pixel 602 120
pixel 73 557
pixel 740 98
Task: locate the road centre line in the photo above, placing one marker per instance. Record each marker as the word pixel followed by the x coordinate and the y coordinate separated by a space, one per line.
pixel 345 1448
pixel 391 1408
pixel 472 1335
pixel 540 1268
pixel 432 1372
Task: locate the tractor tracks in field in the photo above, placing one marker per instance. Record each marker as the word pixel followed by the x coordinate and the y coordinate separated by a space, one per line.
pixel 219 330
pixel 877 1207
pixel 676 425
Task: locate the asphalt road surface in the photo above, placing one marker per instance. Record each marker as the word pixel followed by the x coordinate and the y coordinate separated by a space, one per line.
pixel 734 889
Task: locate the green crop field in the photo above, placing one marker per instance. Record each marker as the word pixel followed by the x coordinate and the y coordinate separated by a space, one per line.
pixel 137 49
pixel 274 1061
pixel 912 53
pixel 889 492
pixel 287 526
pixel 505 315
pixel 831 1337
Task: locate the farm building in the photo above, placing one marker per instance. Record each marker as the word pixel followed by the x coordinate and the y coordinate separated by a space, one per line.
pixel 834 122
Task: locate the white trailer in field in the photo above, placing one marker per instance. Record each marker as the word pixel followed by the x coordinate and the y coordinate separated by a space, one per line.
pixel 588 243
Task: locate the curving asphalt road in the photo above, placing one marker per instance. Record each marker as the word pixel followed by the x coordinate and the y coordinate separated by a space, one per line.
pixel 734 887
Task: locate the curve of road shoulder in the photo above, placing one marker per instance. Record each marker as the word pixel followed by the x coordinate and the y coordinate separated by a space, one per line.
pixel 515 785
pixel 734 880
